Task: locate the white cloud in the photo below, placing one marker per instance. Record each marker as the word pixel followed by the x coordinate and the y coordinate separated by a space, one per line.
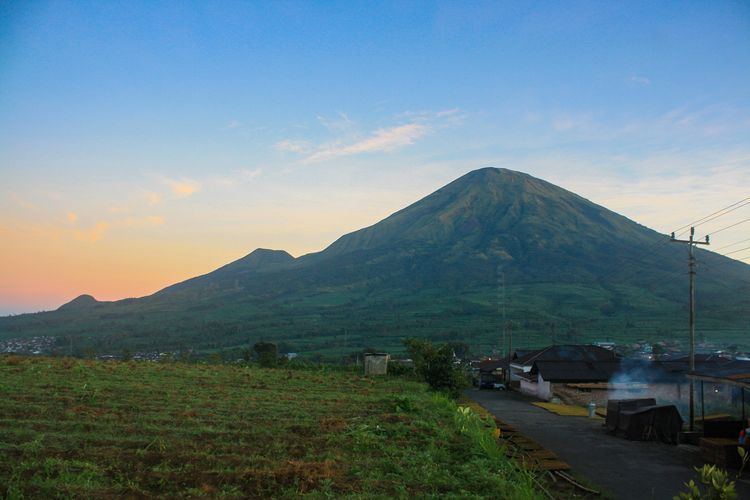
pixel 639 80
pixel 381 140
pixel 338 125
pixel 289 146
pixel 348 142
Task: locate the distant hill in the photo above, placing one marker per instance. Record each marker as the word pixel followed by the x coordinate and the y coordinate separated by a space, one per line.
pixel 80 302
pixel 566 270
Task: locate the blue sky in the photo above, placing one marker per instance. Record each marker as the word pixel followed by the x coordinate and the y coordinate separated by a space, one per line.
pixel 163 139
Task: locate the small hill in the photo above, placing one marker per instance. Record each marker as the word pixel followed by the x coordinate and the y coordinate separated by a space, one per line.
pixel 81 302
pixel 259 260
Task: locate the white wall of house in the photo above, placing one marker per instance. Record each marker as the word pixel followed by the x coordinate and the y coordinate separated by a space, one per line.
pixel 544 388
pixel 538 388
pixel 528 387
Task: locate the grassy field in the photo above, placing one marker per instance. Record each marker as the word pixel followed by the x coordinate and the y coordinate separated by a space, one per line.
pixel 75 428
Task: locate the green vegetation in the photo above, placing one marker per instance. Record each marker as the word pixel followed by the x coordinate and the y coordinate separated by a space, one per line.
pixel 572 271
pixel 713 482
pixel 434 365
pixel 267 353
pixel 714 485
pixel 80 428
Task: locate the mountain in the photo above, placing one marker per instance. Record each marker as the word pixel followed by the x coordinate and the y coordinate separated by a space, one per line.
pixel 446 267
pixel 80 302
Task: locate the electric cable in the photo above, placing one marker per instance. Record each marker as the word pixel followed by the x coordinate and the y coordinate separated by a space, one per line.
pixel 727 227
pixel 701 220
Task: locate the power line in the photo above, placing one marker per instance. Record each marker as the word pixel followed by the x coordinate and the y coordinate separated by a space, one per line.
pixel 731 244
pixel 647 249
pixel 741 249
pixel 702 219
pixel 727 227
pixel 723 214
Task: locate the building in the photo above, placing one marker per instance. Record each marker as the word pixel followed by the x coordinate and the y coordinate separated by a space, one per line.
pixel 553 370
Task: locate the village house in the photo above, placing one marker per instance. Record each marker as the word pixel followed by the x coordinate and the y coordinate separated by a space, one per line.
pixel 491 372
pixel 550 371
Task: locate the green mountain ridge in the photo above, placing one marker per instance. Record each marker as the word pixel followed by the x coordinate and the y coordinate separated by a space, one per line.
pixel 571 271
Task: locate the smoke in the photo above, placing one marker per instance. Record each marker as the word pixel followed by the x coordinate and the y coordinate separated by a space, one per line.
pixel 645 379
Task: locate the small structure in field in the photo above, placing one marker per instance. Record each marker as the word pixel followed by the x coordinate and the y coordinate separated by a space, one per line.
pixel 376 363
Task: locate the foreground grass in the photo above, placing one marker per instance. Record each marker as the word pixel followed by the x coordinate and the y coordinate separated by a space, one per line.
pixel 76 428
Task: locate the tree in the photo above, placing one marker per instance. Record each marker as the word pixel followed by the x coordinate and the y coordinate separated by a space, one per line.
pixel 434 365
pixel 267 353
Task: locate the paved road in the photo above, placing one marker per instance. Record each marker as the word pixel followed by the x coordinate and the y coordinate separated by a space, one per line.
pixel 624 469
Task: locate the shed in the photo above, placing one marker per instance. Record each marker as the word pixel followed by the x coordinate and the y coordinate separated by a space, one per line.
pixel 650 423
pixel 376 363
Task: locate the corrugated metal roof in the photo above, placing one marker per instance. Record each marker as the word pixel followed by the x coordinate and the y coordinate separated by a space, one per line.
pixel 576 371
pixel 490 365
pixel 567 353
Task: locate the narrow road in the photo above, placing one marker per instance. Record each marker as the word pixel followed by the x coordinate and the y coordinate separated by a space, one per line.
pixel 621 468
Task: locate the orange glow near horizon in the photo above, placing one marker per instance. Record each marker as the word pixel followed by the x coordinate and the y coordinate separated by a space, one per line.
pixel 46 265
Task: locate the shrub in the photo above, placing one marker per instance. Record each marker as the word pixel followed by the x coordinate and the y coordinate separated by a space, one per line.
pixel 434 365
pixel 267 353
pixel 715 485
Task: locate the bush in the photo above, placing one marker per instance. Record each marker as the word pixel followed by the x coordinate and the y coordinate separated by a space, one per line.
pixel 714 485
pixel 267 354
pixel 434 365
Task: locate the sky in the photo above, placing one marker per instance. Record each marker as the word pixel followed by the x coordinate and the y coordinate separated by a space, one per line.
pixel 143 143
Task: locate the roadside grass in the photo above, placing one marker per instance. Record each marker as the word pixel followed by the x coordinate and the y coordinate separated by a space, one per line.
pixel 80 428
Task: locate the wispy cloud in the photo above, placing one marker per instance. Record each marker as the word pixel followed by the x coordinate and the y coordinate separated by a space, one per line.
pixel 93 234
pixel 341 123
pixel 381 140
pixel 72 217
pixel 639 80
pixel 349 141
pixel 184 187
pixel 236 178
pixel 290 146
pixel 248 174
pixel 693 123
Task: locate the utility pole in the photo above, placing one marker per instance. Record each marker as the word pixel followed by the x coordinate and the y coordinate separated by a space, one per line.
pixel 501 286
pixel 503 343
pixel 500 277
pixel 691 270
pixel 510 349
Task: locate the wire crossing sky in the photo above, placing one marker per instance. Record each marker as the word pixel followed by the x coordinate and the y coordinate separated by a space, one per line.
pixel 143 143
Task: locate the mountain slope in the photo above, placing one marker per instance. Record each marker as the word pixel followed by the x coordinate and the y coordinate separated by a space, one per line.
pixel 566 269
pixel 80 302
